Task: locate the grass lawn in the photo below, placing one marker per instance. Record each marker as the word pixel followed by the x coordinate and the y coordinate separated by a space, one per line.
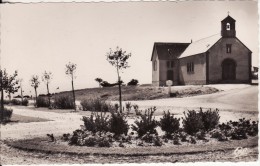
pixel 25 119
pixel 140 92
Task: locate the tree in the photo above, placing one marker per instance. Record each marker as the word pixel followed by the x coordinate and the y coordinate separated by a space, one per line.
pixel 46 78
pixel 70 71
pixel 118 59
pixel 99 80
pixel 7 84
pixel 35 84
pixel 13 86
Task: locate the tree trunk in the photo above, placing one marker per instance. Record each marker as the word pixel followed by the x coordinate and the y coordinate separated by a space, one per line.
pixel 48 95
pixel 120 96
pixel 9 96
pixel 35 103
pixel 2 105
pixel 21 95
pixel 73 94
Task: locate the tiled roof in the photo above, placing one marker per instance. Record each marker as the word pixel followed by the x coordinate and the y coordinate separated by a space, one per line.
pixel 169 50
pixel 200 46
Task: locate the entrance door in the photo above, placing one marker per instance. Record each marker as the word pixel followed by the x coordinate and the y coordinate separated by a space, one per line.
pixel 170 75
pixel 228 69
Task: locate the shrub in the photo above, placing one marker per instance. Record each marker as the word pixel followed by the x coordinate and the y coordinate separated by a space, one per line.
pixel 210 119
pixel 103 142
pixel 137 111
pixel 42 102
pixel 16 102
pixel 169 124
pixel 6 102
pixel 146 124
pixel 133 82
pixel 118 124
pixel 128 107
pixel 192 122
pixel 195 121
pixel 97 105
pixel 5 115
pixel 64 102
pixel 25 102
pixel 96 123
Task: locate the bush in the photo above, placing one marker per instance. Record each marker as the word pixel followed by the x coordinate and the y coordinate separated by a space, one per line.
pixel 169 124
pixel 25 102
pixel 196 121
pixel 96 123
pixel 5 115
pixel 42 102
pixel 147 124
pixel 118 124
pixel 64 102
pixel 16 102
pixel 6 102
pixel 87 138
pixel 133 82
pixel 210 119
pixel 97 105
pixel 192 122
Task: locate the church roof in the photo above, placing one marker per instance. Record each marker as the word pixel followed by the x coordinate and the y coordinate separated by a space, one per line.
pixel 164 50
pixel 228 18
pixel 200 46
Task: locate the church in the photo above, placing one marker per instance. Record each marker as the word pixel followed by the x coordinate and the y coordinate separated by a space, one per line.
pixel 220 58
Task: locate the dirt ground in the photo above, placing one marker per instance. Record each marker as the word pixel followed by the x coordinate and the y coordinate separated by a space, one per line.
pixel 234 103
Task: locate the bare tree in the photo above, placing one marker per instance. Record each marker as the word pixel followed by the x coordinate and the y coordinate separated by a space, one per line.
pixel 118 59
pixel 70 71
pixel 46 78
pixel 99 80
pixel 35 84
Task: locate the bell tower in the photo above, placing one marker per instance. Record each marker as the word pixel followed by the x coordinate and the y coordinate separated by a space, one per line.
pixel 228 27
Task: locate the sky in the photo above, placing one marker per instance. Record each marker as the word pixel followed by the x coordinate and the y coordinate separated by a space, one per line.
pixel 46 36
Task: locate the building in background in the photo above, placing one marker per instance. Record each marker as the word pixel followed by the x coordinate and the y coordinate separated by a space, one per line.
pixel 220 58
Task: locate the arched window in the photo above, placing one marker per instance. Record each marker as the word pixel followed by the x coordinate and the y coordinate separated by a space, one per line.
pixel 155 65
pixel 228 26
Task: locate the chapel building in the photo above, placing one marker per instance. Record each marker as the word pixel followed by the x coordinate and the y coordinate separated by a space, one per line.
pixel 220 58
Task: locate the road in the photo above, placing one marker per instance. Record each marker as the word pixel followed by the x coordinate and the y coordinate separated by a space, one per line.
pixel 238 99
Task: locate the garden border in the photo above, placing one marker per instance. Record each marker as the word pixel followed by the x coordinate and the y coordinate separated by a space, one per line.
pixel 43 145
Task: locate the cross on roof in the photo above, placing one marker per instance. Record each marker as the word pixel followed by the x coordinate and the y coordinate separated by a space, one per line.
pixel 228 13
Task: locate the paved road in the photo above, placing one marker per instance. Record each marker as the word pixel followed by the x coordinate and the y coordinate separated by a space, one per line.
pixel 238 99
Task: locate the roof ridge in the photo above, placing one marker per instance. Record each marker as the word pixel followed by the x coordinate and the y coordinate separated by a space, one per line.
pixel 206 37
pixel 169 43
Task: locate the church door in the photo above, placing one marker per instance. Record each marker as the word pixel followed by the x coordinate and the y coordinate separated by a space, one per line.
pixel 228 69
pixel 170 75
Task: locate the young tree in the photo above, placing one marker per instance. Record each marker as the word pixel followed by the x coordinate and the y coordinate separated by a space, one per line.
pixel 118 59
pixel 70 71
pixel 21 80
pixel 99 80
pixel 46 78
pixel 7 84
pixel 35 84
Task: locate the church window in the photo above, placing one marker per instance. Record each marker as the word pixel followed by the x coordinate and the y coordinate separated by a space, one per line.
pixel 154 65
pixel 228 26
pixel 170 64
pixel 190 67
pixel 228 48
